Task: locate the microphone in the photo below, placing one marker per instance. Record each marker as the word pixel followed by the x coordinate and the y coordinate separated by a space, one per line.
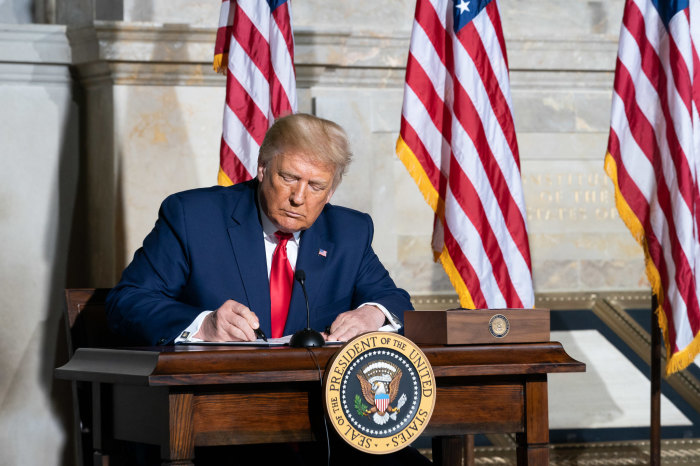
pixel 307 337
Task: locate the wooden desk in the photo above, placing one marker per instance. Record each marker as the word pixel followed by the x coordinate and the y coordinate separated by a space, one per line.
pixel 185 396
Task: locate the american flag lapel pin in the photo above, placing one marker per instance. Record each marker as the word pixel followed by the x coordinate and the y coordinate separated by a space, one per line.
pixel 322 252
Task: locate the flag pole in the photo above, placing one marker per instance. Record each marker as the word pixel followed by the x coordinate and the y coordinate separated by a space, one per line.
pixel 655 431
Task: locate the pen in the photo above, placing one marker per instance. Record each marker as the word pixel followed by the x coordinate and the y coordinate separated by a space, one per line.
pixel 259 333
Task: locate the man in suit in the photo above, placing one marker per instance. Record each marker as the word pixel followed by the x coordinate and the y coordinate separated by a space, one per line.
pixel 207 270
pixel 218 264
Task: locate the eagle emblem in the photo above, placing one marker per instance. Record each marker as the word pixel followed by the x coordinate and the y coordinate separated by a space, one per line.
pixel 380 386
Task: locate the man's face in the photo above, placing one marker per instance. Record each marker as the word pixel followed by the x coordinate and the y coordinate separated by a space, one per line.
pixel 293 190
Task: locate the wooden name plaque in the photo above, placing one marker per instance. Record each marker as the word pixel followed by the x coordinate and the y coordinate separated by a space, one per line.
pixel 477 326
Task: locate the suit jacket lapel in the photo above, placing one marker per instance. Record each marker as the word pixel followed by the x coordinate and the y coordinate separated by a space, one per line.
pixel 246 237
pixel 313 262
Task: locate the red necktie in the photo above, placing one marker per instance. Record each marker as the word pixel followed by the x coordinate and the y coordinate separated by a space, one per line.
pixel 281 281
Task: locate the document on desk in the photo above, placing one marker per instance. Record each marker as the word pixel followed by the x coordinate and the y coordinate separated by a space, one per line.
pixel 281 341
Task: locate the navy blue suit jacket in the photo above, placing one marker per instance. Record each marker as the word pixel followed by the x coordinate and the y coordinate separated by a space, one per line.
pixel 207 246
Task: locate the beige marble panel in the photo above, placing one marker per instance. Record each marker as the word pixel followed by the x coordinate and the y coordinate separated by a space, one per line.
pixel 614 273
pixel 557 18
pixel 153 43
pixel 593 110
pixel 554 53
pixel 349 108
pixel 547 111
pixel 167 141
pixel 395 15
pixel 583 111
pixel 368 185
pixel 351 48
pixel 416 269
pixel 555 275
pixel 596 246
pixel 203 13
pixel 539 146
pixel 413 215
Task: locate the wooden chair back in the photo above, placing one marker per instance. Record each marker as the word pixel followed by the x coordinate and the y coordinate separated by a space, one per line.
pixel 86 319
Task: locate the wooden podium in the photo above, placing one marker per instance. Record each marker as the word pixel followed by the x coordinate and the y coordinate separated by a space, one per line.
pixel 180 397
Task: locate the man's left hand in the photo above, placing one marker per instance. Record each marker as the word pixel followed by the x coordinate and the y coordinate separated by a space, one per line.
pixel 352 323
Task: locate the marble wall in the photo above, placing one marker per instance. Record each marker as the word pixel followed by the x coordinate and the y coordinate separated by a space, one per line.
pixel 105 116
pixel 38 185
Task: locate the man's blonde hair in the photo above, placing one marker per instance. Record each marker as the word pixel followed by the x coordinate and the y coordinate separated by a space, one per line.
pixel 320 140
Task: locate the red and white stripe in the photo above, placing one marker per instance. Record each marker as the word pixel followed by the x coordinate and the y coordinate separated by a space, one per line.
pixel 260 80
pixel 653 156
pixel 382 403
pixel 458 142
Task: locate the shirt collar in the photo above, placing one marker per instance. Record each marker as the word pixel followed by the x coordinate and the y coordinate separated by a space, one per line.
pixel 269 228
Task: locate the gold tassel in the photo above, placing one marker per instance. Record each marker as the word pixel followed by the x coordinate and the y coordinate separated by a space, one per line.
pixel 417 172
pixel 219 60
pixel 465 298
pixel 680 360
pixel 223 178
pixel 415 169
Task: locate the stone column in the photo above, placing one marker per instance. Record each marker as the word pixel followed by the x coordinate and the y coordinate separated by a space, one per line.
pixel 38 183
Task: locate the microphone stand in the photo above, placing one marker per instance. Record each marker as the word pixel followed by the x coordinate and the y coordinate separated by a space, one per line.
pixel 307 337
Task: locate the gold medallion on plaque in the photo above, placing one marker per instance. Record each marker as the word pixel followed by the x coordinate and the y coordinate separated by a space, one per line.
pixel 499 326
pixel 379 392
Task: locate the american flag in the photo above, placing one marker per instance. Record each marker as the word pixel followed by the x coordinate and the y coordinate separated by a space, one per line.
pixel 458 142
pixel 653 158
pixel 255 48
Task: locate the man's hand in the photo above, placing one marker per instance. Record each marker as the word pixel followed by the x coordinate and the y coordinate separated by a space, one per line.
pixel 352 323
pixel 231 322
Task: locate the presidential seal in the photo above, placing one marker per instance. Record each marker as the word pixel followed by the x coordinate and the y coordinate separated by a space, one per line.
pixel 499 326
pixel 379 392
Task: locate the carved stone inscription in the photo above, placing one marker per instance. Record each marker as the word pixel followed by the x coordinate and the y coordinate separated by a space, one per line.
pixel 574 194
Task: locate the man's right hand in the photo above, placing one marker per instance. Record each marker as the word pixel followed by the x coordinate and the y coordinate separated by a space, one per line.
pixel 231 322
